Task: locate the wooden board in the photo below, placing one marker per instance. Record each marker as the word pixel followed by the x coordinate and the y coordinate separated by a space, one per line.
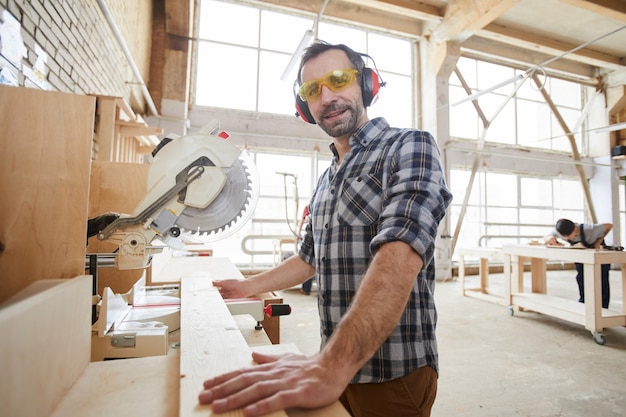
pixel 44 345
pixel 215 268
pixel 125 387
pixel 44 165
pixel 211 344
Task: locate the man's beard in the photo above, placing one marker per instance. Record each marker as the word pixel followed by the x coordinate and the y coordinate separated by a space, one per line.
pixel 343 128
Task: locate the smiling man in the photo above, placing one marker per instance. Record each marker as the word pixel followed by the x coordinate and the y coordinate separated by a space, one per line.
pixel 369 243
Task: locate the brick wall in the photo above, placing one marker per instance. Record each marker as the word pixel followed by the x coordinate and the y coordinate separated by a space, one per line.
pixel 83 55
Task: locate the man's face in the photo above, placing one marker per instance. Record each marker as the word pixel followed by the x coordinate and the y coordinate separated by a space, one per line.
pixel 338 113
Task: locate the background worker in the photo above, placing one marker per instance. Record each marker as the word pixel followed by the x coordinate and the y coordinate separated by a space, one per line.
pixel 370 242
pixel 591 236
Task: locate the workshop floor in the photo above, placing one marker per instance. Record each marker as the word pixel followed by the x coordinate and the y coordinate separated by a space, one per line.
pixel 496 365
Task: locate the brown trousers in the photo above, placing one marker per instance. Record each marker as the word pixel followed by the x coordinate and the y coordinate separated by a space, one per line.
pixel 411 395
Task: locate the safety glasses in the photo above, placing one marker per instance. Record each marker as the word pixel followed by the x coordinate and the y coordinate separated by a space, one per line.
pixel 335 80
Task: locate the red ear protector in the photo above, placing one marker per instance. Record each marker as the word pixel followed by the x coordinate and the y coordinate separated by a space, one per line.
pixel 370 86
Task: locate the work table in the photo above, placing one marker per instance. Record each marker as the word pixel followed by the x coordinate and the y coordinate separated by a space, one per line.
pixel 46 370
pixel 590 314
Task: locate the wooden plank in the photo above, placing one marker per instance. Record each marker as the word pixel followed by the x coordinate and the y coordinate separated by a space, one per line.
pixel 46 140
pixel 137 129
pixel 558 307
pixel 215 268
pixel 211 343
pixel 126 387
pixel 105 128
pixel 212 267
pixel 333 410
pixel 45 345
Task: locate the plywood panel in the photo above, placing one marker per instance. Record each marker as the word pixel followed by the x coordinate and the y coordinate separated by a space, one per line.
pixel 117 187
pixel 45 139
pixel 44 345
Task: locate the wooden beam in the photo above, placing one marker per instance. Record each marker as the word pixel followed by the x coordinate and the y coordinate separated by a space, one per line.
pixel 464 17
pixel 415 10
pixel 620 105
pixel 612 9
pixel 501 53
pixel 552 47
pixel 375 14
pixel 572 140
pixel 137 129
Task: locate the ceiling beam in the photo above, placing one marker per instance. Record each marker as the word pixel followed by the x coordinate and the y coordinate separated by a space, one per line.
pixel 612 9
pixel 370 13
pixel 463 18
pixel 550 46
pixel 408 8
pixel 506 54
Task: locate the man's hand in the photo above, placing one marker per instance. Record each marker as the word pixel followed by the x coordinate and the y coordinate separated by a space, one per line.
pixel 553 242
pixel 277 383
pixel 232 288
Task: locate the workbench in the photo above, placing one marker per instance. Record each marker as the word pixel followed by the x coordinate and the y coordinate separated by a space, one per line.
pixel 485 255
pixel 45 351
pixel 590 313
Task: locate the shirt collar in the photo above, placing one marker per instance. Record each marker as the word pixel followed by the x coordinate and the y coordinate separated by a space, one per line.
pixel 365 135
pixel 369 132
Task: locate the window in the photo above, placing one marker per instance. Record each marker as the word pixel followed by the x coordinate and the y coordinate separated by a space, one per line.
pixel 509 208
pixel 278 210
pixel 525 119
pixel 243 52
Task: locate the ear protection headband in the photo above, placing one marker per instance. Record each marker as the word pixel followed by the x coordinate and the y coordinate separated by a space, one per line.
pixel 370 86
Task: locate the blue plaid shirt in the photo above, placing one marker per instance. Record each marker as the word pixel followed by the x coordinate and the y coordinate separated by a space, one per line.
pixel 389 187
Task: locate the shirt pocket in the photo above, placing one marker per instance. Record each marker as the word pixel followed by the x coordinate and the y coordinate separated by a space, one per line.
pixel 360 201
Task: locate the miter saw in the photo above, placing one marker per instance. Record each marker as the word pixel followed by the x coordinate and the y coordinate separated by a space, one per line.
pixel 199 184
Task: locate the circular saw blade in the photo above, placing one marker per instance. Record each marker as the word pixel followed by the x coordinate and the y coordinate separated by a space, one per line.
pixel 234 204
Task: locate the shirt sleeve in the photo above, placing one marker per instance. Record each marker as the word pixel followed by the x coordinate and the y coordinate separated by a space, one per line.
pixel 593 232
pixel 415 195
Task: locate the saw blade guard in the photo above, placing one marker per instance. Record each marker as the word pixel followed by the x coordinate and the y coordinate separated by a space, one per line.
pixel 221 200
pixel 230 210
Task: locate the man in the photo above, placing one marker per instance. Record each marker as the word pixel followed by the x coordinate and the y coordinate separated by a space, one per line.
pixel 591 236
pixel 370 244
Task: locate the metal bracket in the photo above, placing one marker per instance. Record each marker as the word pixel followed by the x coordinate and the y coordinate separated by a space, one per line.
pixel 124 340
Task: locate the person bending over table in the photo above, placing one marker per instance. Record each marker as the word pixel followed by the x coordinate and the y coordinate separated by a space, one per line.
pixel 591 236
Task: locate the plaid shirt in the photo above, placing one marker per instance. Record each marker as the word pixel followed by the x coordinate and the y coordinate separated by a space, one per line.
pixel 389 187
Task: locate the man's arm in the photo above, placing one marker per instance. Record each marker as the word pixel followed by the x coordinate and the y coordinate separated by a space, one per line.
pixel 288 273
pixel 375 310
pixel 552 239
pixel 310 382
pixel 607 228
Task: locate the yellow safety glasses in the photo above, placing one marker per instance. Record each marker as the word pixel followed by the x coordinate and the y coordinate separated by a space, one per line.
pixel 335 80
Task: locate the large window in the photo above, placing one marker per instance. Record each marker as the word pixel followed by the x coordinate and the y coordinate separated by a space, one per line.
pixel 512 209
pixel 524 118
pixel 242 53
pixel 244 50
pixel 287 182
